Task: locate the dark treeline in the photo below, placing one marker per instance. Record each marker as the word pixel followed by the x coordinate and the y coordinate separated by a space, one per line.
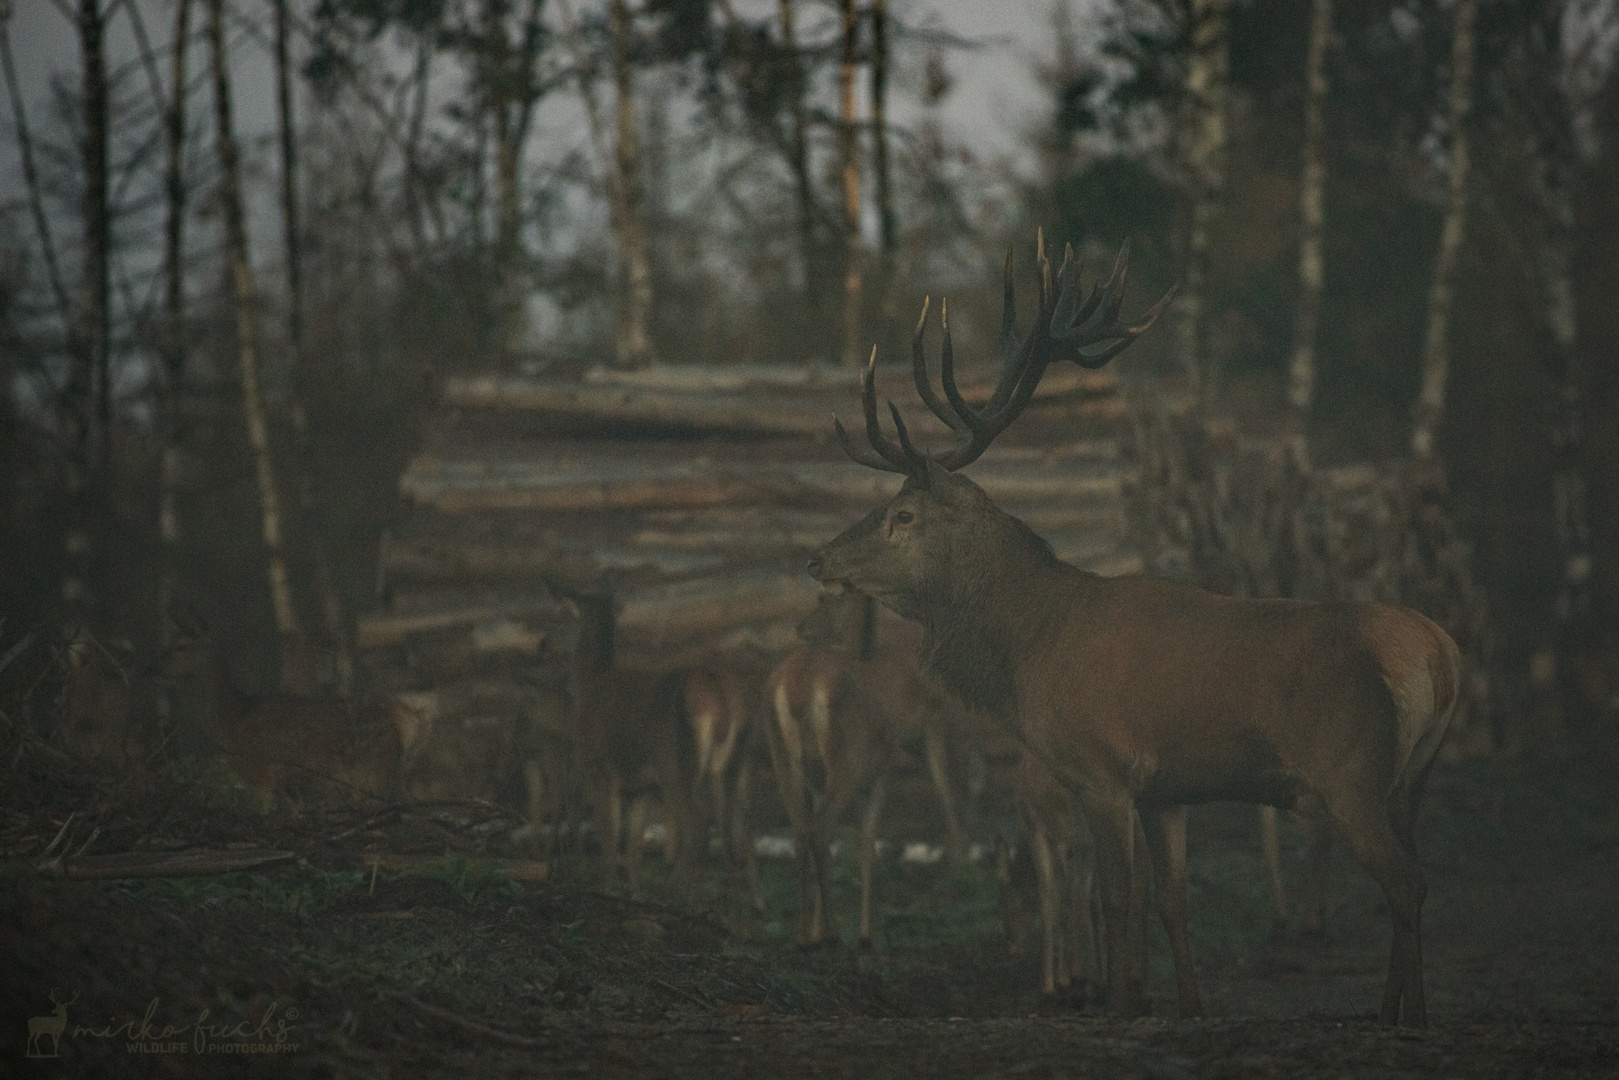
pixel 1393 225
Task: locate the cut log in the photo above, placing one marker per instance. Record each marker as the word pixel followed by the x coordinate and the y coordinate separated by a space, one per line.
pixel 748 400
pixel 536 484
pixel 384 629
pixel 198 862
pixel 667 612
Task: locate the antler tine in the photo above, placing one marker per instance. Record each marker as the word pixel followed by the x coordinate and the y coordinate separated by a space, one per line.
pixel 919 373
pixel 1126 334
pixel 904 436
pixel 947 375
pixel 881 443
pixel 1096 322
pixel 859 454
pixel 987 425
pixel 1008 306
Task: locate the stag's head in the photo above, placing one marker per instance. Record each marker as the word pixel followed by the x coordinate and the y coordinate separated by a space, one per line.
pixel 927 535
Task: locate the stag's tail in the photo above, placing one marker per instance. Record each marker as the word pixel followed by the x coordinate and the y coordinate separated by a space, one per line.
pixel 1422 668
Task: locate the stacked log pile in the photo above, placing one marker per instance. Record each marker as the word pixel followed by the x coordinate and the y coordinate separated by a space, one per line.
pixel 694 497
pixel 1238 515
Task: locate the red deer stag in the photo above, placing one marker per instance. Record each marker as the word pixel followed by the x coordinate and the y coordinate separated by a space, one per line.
pixel 1141 693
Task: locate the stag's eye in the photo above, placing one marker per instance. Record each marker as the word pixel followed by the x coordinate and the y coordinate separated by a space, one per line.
pixel 904 517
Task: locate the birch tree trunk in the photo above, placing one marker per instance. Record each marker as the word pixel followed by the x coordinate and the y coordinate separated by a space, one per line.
pixel 1312 277
pixel 635 283
pixel 314 518
pixel 1202 156
pixel 174 344
pixel 1578 632
pixel 1435 352
pixel 798 163
pixel 849 144
pixel 242 292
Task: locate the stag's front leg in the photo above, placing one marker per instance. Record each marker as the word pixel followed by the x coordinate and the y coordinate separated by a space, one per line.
pixel 1112 820
pixel 1165 829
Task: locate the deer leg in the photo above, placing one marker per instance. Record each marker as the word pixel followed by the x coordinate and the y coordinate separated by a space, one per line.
pixel 1165 830
pixel 868 855
pixel 939 769
pixel 1040 848
pixel 1083 904
pixel 634 842
pixel 1112 821
pixel 1140 894
pixel 1319 831
pixel 1270 843
pixel 1379 846
pixel 741 829
pixel 609 825
pixel 821 928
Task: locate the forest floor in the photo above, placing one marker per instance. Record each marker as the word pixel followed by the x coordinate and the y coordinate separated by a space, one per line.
pixel 336 964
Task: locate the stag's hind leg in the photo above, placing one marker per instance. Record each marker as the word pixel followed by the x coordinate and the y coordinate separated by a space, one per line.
pixel 1381 842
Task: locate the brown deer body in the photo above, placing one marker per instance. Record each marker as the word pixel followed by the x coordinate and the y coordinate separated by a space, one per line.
pixel 1052 875
pixel 919 711
pixel 281 744
pixel 633 743
pixel 1143 694
pixel 717 706
pixel 830 743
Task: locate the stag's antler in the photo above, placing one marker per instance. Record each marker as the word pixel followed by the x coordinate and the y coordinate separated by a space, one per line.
pixel 1064 328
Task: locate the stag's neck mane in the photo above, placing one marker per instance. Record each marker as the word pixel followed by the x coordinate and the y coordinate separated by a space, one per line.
pixel 994 604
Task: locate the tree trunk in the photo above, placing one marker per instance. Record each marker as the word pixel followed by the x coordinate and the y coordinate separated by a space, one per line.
pixel 849 142
pixel 1202 156
pixel 1435 352
pixel 1578 632
pixel 635 282
pixel 1301 370
pixel 508 168
pixel 879 126
pixel 174 343
pixel 96 306
pixel 88 398
pixel 309 508
pixel 798 163
pixel 241 273
pixel 36 202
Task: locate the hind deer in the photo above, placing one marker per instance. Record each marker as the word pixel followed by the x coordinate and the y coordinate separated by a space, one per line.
pixel 717 707
pixel 632 742
pixel 1142 694
pixel 279 744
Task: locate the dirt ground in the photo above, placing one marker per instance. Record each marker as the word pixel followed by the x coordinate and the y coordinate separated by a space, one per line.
pixel 449 969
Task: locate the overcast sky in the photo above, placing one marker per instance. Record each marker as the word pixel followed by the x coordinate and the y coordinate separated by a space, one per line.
pixel 995 94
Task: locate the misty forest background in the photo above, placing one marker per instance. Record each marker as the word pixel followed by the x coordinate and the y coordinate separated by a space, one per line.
pixel 1395 227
